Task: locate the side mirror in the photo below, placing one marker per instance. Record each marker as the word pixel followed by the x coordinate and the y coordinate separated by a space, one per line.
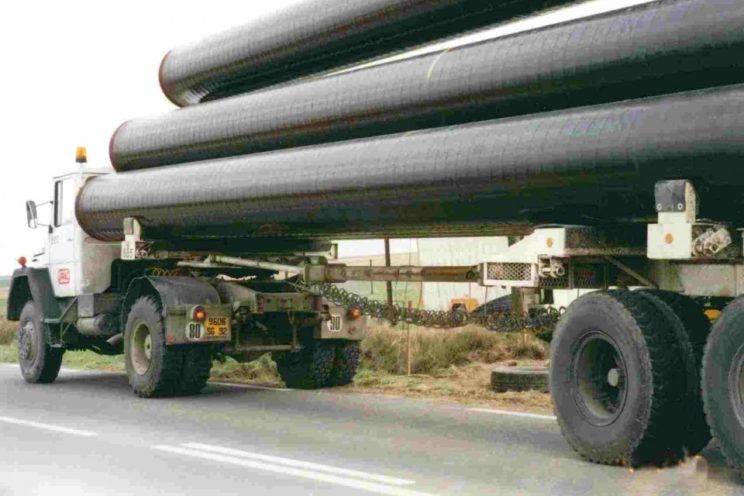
pixel 32 218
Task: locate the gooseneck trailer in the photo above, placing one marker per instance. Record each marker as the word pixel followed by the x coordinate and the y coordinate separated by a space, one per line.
pixel 204 253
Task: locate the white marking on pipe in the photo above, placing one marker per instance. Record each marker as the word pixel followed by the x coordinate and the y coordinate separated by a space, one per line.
pixel 514 414
pixel 362 485
pixel 250 386
pixel 47 427
pixel 430 72
pixel 299 464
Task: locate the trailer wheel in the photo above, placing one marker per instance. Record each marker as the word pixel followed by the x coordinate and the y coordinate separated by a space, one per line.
pixel 309 368
pixel 197 365
pixel 154 369
pixel 40 363
pixel 348 354
pixel 723 383
pixel 690 316
pixel 616 378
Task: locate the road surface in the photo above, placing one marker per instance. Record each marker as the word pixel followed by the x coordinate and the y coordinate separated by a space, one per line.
pixel 87 434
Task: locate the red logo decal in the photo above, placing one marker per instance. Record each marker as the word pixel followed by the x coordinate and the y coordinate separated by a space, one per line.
pixel 63 276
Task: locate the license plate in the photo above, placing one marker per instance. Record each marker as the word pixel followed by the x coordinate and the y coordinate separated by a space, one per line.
pixel 217 327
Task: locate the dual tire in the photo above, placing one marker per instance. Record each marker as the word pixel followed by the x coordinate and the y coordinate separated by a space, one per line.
pixel 319 364
pixel 625 380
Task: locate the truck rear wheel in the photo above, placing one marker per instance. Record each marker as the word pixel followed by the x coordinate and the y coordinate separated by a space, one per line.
pixel 348 354
pixel 197 364
pixel 723 383
pixel 616 379
pixel 154 369
pixel 689 316
pixel 40 363
pixel 309 368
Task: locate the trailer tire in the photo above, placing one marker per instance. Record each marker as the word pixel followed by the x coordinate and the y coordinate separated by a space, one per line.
pixel 616 378
pixel 504 379
pixel 691 318
pixel 154 369
pixel 348 354
pixel 309 368
pixel 197 365
pixel 723 383
pixel 40 363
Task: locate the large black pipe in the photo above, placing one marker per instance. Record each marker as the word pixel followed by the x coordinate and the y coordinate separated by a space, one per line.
pixel 587 166
pixel 318 35
pixel 648 50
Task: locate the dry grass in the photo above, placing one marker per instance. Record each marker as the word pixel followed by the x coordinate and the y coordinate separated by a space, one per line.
pixel 433 350
pixel 7 331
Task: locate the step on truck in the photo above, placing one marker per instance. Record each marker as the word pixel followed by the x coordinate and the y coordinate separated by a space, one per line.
pixel 169 313
pixel 638 374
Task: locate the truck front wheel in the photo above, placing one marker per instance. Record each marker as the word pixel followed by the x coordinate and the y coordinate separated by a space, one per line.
pixel 40 362
pixel 617 380
pixel 154 369
pixel 723 383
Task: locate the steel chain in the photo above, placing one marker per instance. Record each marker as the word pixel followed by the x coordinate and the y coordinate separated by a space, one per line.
pixel 543 318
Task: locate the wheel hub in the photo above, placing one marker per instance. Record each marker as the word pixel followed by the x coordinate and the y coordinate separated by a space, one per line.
pixel 26 342
pixel 141 348
pixel 599 379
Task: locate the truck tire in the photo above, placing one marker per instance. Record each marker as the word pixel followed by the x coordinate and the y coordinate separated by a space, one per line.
pixel 723 383
pixel 309 368
pixel 197 365
pixel 154 369
pixel 345 364
pixel 690 317
pixel 40 363
pixel 504 379
pixel 616 378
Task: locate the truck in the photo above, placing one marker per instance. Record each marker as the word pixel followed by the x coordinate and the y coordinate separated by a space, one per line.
pixel 636 375
pixel 169 313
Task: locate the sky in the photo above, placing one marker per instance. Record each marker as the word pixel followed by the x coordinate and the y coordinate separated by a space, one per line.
pixel 72 71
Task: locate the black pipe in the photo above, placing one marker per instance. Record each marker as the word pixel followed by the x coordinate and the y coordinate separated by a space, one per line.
pixel 591 165
pixel 649 50
pixel 318 35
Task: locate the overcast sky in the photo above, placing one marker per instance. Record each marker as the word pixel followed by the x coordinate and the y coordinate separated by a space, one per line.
pixel 73 70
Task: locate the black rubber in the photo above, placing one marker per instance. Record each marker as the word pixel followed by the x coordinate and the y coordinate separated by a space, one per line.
pixel 44 367
pixel 691 318
pixel 724 406
pixel 348 355
pixel 505 379
pixel 197 365
pixel 309 368
pixel 163 377
pixel 641 428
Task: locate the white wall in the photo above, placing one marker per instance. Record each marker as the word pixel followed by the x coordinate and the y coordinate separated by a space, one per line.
pixel 458 251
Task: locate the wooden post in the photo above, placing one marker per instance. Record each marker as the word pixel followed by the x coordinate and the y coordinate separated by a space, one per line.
pixel 387 264
pixel 408 332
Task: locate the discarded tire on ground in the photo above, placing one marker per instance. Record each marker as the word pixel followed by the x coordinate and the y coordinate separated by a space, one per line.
pixel 505 379
pixel 617 380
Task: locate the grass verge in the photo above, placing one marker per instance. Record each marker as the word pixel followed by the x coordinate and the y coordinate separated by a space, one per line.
pixel 445 364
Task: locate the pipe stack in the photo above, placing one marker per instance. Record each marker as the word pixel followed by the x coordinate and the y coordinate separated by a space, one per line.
pixel 572 123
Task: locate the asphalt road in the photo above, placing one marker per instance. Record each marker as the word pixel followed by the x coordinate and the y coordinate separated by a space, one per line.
pixel 87 434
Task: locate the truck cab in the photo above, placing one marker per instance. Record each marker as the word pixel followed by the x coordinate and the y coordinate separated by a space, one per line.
pixel 169 313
